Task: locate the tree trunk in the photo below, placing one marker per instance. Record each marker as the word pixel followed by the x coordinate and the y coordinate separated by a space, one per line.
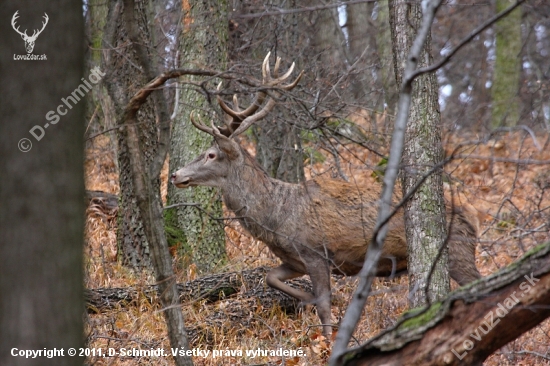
pixel 279 148
pixel 100 110
pixel 470 324
pixel 361 34
pixel 144 135
pixel 41 190
pixel 425 224
pixel 384 48
pixel 203 43
pixel 505 88
pixel 123 80
pixel 278 143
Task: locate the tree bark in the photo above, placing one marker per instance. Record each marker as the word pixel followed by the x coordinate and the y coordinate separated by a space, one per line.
pixel 505 88
pixel 203 43
pixel 361 34
pixel 384 50
pixel 425 224
pixel 123 79
pixel 41 190
pixel 471 323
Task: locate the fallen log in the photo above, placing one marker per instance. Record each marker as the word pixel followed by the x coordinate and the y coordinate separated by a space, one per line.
pixel 247 284
pixel 107 202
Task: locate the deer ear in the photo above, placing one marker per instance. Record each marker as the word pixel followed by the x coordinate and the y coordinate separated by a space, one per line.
pixel 228 146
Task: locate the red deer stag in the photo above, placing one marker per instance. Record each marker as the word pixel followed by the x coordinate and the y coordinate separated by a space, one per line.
pixel 313 227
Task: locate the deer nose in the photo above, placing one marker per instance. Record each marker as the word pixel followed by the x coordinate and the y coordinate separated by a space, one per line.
pixel 172 177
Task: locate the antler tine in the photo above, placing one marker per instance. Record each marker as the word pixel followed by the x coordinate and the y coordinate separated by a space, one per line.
pixel 226 108
pixel 236 103
pixel 249 121
pixel 266 73
pixel 294 83
pixel 200 125
pixel 13 23
pixel 213 131
pixel 286 75
pixel 237 114
pixel 274 80
pixel 276 69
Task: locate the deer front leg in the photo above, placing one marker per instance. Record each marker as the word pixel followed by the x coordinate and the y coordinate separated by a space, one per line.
pixel 319 272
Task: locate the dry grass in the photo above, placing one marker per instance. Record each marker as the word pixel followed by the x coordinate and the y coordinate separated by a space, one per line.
pixel 510 199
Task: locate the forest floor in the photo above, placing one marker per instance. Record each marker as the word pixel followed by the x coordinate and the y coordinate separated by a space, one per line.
pixel 502 178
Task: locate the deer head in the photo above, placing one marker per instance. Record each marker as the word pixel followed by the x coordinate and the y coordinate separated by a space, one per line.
pixel 212 167
pixel 29 40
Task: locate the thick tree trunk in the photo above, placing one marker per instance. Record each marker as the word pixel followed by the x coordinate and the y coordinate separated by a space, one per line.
pixel 203 43
pixel 470 324
pixel 425 223
pixel 41 207
pixel 122 81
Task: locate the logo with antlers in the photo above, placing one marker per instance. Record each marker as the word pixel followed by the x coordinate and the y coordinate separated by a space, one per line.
pixel 29 40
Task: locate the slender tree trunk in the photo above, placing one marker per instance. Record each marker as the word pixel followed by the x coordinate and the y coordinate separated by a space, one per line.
pixel 361 43
pixel 203 43
pixel 505 88
pixel 425 223
pixel 101 111
pixel 41 190
pixel 143 139
pixel 384 48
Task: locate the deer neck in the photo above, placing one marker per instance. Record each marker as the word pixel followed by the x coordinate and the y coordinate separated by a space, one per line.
pixel 254 196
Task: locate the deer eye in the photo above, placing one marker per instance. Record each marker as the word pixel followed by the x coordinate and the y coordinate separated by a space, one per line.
pixel 211 156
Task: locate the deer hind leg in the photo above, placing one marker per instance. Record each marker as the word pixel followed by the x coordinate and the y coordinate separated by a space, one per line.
pixel 318 271
pixel 462 264
pixel 276 277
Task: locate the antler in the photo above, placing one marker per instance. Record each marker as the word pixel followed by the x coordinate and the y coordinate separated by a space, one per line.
pixel 214 131
pixel 24 34
pixel 242 120
pixel 13 19
pixel 37 32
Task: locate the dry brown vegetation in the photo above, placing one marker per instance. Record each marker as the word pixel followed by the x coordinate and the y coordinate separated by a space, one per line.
pixel 511 195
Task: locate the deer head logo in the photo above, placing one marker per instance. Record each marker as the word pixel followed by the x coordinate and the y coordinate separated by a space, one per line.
pixel 29 40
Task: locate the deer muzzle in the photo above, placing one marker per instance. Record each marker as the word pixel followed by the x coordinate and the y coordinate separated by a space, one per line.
pixel 180 182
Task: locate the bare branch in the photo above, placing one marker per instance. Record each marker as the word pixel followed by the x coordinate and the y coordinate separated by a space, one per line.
pixel 466 40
